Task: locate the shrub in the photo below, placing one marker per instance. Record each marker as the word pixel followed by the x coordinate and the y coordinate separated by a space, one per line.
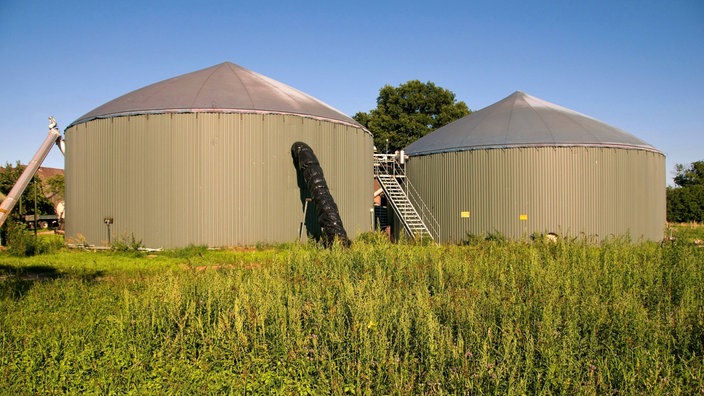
pixel 19 242
pixel 373 238
pixel 187 252
pixel 126 243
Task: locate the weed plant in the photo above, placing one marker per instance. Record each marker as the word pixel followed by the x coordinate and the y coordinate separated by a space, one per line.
pixel 493 317
pixel 24 243
pixel 127 243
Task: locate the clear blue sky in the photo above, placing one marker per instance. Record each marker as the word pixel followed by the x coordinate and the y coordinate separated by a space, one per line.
pixel 636 65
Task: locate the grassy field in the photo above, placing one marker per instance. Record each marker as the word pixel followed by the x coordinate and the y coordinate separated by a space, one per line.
pixel 487 318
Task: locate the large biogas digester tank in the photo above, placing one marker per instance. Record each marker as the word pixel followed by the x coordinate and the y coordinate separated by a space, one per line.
pixel 524 166
pixel 205 159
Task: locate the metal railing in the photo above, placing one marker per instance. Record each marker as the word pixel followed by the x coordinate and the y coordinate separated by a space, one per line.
pixel 388 164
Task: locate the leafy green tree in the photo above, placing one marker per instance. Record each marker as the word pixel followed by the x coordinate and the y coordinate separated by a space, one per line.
pixel 8 177
pixel 692 176
pixel 56 187
pixel 14 227
pixel 685 202
pixel 408 112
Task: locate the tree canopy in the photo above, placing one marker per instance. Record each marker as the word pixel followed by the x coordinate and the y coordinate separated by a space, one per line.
pixel 408 112
pixel 685 202
pixel 692 176
pixel 8 177
pixel 55 184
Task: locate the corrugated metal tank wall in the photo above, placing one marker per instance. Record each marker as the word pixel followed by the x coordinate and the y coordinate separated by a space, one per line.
pixel 206 178
pixel 578 191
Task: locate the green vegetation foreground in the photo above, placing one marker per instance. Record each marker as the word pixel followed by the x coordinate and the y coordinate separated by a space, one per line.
pixel 379 318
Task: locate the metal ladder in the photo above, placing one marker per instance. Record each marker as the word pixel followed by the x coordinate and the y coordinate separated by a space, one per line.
pixel 406 202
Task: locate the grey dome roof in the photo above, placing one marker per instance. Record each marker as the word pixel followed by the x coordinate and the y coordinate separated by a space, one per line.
pixel 223 88
pixel 521 120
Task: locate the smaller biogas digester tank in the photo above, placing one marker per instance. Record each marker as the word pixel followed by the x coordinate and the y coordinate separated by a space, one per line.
pixel 523 166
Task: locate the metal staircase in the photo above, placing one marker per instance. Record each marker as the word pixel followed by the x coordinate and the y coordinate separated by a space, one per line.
pixel 417 219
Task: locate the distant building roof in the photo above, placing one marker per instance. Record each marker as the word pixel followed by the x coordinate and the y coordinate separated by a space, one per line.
pixel 45 173
pixel 521 120
pixel 224 88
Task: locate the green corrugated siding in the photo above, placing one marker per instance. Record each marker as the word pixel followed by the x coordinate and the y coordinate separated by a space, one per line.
pixel 208 178
pixel 577 191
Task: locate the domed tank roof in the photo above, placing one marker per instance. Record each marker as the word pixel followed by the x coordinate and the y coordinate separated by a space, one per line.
pixel 223 88
pixel 521 120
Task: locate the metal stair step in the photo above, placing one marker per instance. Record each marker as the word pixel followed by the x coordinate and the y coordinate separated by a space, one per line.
pixel 388 173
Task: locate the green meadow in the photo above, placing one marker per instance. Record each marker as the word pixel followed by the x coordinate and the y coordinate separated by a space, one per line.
pixel 489 317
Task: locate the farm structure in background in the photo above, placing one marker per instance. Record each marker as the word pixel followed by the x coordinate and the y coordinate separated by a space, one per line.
pixel 205 159
pixel 525 166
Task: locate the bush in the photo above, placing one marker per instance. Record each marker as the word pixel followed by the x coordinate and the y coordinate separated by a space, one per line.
pixel 473 239
pixel 50 243
pixel 685 204
pixel 187 252
pixel 373 238
pixel 126 243
pixel 22 243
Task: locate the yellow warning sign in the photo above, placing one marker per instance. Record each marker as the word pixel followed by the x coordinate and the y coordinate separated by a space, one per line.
pixel 464 215
pixel 523 217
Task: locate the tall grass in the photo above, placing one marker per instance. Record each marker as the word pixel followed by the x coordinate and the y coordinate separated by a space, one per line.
pixel 379 318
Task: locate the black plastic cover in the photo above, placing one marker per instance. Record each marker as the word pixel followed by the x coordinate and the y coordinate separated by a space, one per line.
pixel 328 213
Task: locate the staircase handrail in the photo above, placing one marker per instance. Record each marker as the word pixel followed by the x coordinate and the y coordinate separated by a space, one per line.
pixel 425 213
pixel 388 164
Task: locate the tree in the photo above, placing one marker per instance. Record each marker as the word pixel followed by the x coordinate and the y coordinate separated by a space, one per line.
pixel 685 202
pixel 8 177
pixel 14 227
pixel 692 176
pixel 56 187
pixel 408 112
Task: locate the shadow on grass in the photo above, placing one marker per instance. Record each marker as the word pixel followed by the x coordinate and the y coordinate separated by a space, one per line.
pixel 15 282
